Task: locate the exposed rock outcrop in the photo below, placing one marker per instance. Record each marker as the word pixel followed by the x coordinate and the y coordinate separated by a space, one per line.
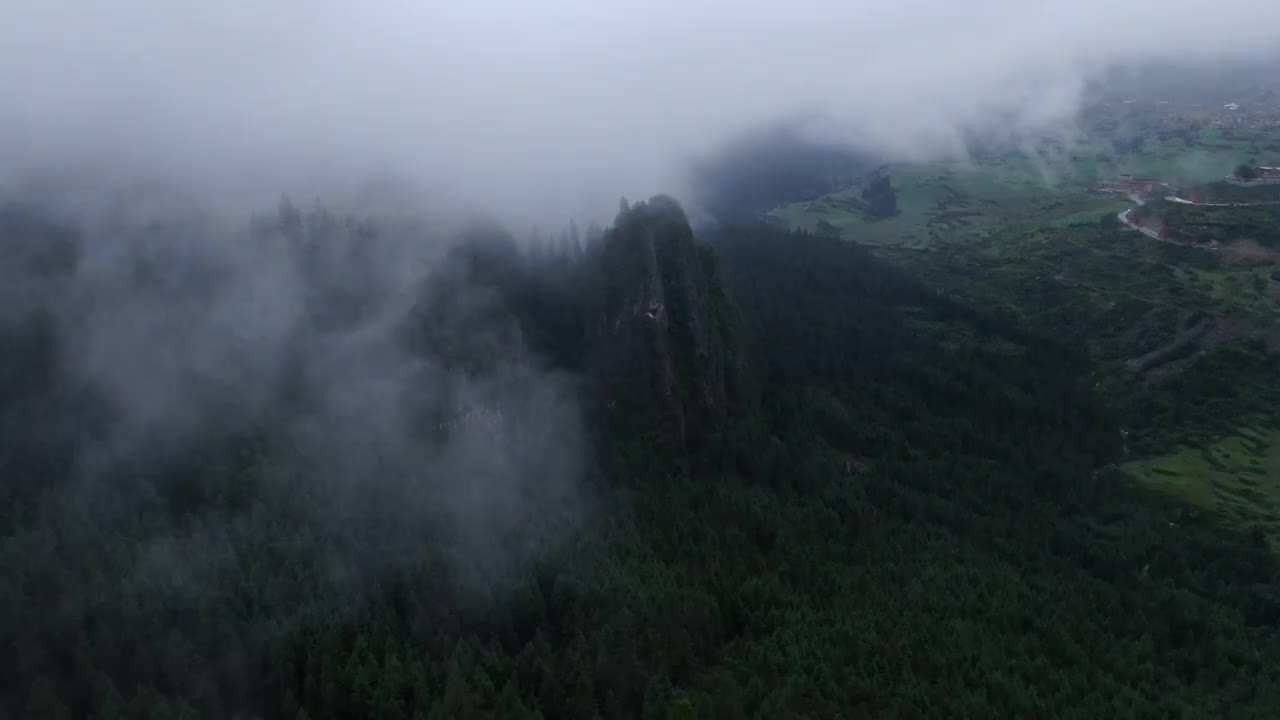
pixel 660 329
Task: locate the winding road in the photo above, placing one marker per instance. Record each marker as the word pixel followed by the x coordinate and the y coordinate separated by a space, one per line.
pixel 1184 201
pixel 1125 216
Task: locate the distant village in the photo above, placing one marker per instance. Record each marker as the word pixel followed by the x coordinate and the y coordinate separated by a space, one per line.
pixel 1232 115
pixel 1128 185
pixel 1140 189
pixel 1262 175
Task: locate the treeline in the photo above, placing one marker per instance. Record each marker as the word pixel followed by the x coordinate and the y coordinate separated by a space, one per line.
pixel 1200 403
pixel 756 173
pixel 878 503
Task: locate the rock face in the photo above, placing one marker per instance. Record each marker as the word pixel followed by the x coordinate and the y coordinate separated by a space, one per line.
pixel 660 330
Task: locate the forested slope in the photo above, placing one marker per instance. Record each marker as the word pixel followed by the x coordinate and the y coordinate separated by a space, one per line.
pixel 814 488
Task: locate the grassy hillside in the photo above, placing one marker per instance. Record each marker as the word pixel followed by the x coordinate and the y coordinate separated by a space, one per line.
pixel 1179 334
pixel 947 203
pixel 1045 185
pixel 1236 477
pixel 1221 225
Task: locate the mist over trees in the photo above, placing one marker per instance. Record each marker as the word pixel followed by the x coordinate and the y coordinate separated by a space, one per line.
pixel 373 457
pixel 309 404
pixel 623 473
pixel 754 173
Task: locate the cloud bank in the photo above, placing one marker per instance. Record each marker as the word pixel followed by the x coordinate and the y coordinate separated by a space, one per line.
pixel 553 107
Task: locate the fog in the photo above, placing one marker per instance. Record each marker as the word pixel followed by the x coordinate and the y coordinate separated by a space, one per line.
pixel 150 130
pixel 202 386
pixel 383 376
pixel 542 110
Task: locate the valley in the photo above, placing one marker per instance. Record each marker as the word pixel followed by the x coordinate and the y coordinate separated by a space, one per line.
pixel 640 361
pixel 1136 248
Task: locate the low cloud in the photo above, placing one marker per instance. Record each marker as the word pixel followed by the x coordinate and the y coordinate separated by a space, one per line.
pixel 553 108
pixel 383 393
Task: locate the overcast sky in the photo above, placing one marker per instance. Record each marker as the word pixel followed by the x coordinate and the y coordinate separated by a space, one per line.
pixel 558 105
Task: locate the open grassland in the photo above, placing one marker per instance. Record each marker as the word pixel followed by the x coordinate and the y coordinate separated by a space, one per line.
pixel 1237 477
pixel 1050 185
pixel 1246 291
pixel 1211 154
pixel 942 204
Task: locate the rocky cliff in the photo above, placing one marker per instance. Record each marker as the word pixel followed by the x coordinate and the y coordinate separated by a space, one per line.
pixel 660 330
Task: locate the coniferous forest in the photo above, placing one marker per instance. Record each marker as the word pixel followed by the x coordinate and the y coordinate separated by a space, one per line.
pixel 629 472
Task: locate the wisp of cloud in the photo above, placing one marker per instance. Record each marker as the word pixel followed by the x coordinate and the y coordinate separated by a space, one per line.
pixel 548 109
pixel 152 128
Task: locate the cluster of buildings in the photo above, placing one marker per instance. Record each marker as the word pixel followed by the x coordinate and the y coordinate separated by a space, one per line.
pixel 1263 175
pixel 1232 115
pixel 1252 121
pixel 1128 185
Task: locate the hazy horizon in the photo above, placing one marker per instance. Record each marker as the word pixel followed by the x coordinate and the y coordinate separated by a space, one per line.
pixel 549 110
